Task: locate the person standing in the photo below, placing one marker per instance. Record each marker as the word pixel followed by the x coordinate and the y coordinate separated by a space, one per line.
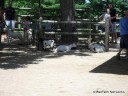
pixel 123 35
pixel 10 17
pixel 26 28
pixel 103 18
pixel 113 14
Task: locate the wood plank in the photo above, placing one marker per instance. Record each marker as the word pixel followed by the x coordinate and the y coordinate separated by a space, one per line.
pixel 74 33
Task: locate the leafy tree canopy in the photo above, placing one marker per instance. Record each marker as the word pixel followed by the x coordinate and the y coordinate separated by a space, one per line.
pixel 95 6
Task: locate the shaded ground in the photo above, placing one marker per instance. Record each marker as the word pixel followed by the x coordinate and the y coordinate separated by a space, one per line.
pixel 27 72
pixel 113 66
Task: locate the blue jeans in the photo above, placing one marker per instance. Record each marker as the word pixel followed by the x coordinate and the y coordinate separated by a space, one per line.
pixel 10 24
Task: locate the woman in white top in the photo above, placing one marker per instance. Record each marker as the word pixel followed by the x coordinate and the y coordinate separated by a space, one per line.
pixel 103 18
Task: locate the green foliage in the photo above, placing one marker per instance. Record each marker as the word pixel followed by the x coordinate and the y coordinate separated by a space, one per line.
pixel 51 6
pixel 23 4
pixel 99 6
pixel 80 6
pixel 50 2
pixel 94 9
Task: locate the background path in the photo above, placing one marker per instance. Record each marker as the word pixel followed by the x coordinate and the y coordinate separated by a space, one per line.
pixel 27 72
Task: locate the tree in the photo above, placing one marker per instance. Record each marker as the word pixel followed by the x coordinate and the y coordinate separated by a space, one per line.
pixel 67 10
pixel 67 14
pixel 40 10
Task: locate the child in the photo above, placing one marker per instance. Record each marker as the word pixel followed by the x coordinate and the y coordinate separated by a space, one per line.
pixel 123 35
pixel 26 27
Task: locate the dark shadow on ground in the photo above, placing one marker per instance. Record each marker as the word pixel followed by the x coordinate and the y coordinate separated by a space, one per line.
pixel 15 56
pixel 113 66
pixel 19 56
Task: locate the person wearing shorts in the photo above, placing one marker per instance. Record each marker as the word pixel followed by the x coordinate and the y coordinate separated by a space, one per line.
pixel 123 35
pixel 113 20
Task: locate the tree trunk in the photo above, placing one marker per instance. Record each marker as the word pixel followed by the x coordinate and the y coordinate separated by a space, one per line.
pixel 67 10
pixel 67 14
pixel 40 8
pixel 40 30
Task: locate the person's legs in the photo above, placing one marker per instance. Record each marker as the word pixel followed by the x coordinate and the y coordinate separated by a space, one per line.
pixel 115 37
pixel 7 23
pixel 113 33
pixel 118 54
pixel 126 46
pixel 122 46
pixel 12 25
pixel 8 27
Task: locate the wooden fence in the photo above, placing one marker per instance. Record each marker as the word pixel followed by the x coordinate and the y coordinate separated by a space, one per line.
pixel 83 29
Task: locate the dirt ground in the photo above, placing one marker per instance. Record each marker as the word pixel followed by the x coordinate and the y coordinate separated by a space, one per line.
pixel 27 72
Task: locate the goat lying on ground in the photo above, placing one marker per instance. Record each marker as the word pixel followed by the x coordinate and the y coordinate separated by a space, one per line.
pixel 97 48
pixel 48 44
pixel 66 48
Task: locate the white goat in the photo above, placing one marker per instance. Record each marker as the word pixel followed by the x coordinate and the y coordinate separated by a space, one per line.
pixel 66 48
pixel 48 44
pixel 97 48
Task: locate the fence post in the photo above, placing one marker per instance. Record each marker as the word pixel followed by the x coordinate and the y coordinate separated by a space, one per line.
pixel 107 34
